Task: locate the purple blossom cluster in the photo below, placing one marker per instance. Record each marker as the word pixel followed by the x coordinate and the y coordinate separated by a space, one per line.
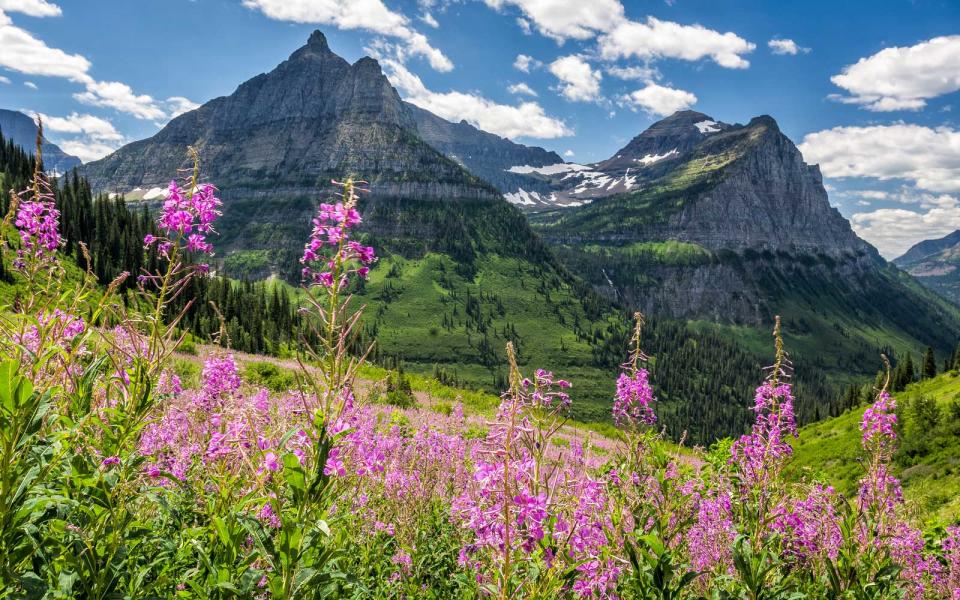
pixel 761 453
pixel 187 219
pixel 633 404
pixel 37 223
pixel 331 229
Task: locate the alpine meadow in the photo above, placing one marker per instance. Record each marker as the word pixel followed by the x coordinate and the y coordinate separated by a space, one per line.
pixel 344 331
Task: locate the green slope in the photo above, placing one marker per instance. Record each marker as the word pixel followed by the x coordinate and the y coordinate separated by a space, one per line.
pixel 928 459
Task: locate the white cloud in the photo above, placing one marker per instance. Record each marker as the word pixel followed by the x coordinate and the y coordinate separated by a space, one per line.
pixel 177 105
pixel 902 78
pixel 568 153
pixel 658 99
pixel 20 51
pixel 87 150
pixel 521 89
pixel 5 80
pixel 579 82
pixel 634 73
pixel 622 38
pixel 786 46
pixel 30 85
pixel 665 39
pixel 429 20
pixel 368 15
pixel 97 137
pixel 894 230
pixel 95 127
pixel 525 63
pixel 119 96
pixel 33 8
pixel 930 158
pixel 566 19
pixel 526 119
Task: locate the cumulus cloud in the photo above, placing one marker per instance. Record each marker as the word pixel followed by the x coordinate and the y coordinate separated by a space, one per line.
pixel 20 51
pixel 634 73
pixel 33 8
pixel 94 137
pixel 76 123
pixel 566 19
pixel 902 78
pixel 786 46
pixel 119 96
pixel 87 150
pixel 894 230
pixel 927 157
pixel 525 63
pixel 619 37
pixel 664 39
pixel 521 89
pixel 579 82
pixel 30 85
pixel 5 80
pixel 526 119
pixel 568 153
pixel 368 15
pixel 658 100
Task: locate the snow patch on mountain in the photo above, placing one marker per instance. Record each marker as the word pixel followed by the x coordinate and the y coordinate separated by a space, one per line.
pixel 649 159
pixel 548 169
pixel 707 126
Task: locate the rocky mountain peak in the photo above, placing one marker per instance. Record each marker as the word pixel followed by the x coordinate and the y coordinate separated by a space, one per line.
pixel 669 138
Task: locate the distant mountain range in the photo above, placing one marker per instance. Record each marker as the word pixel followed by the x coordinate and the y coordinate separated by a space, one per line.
pixel 936 264
pixel 714 224
pixel 22 131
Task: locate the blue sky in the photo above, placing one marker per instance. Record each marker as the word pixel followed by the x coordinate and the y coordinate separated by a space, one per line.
pixel 869 89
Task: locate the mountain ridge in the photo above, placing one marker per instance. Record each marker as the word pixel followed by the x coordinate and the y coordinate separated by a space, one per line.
pixel 22 131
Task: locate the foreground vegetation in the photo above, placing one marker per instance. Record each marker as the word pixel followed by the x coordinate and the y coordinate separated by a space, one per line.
pixel 117 480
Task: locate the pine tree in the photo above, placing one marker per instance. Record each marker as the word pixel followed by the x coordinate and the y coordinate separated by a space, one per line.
pixel 929 364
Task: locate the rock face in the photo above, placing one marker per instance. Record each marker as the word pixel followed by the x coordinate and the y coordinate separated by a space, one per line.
pixel 936 264
pixel 734 227
pixel 486 155
pixel 22 130
pixel 289 131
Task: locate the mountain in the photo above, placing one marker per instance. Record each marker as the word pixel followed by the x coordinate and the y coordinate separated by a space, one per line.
pixel 934 263
pixel 730 226
pixel 486 155
pixel 646 158
pixel 22 131
pixel 461 272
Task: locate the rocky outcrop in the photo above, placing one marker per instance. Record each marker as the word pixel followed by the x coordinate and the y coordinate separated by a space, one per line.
pixel 22 131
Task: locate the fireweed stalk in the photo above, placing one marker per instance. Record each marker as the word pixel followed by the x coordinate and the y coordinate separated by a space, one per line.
pixel 296 544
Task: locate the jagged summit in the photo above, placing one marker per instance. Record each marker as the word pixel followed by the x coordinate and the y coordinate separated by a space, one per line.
pixel 318 41
pixel 667 139
pixel 313 117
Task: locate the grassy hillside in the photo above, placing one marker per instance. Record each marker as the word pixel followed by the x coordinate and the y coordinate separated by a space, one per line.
pixel 928 459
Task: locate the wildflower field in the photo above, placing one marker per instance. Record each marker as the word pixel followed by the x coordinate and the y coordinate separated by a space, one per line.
pixel 119 481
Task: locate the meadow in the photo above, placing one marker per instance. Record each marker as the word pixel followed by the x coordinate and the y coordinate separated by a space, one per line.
pixel 129 470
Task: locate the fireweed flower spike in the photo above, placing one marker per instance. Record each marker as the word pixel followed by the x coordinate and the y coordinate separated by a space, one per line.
pixel 330 256
pixel 633 403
